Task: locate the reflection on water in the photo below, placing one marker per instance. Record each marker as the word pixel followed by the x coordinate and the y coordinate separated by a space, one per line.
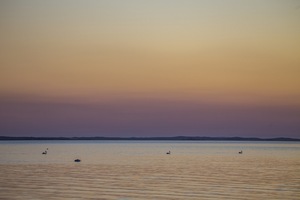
pixel 143 170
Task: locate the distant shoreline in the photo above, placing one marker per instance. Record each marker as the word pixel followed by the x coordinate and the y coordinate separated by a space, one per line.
pixel 176 138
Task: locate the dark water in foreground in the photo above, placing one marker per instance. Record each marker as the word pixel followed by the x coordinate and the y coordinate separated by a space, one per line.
pixel 142 170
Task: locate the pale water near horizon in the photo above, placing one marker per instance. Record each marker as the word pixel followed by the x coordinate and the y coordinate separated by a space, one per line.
pixel 143 170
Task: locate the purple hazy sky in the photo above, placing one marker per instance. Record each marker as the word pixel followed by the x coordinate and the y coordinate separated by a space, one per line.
pixel 146 118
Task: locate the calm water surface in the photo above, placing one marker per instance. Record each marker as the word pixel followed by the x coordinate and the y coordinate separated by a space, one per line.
pixel 142 170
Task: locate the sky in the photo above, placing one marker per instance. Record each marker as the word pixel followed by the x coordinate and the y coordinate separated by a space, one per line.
pixel 150 68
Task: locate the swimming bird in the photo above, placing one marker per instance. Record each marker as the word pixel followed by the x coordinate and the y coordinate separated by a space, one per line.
pixel 45 152
pixel 77 160
pixel 240 152
pixel 169 152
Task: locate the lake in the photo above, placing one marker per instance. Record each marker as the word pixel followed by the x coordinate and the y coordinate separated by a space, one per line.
pixel 143 170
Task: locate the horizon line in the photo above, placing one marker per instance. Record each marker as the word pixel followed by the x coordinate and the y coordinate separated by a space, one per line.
pixel 190 138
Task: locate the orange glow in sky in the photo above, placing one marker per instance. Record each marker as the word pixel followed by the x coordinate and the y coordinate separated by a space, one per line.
pixel 230 53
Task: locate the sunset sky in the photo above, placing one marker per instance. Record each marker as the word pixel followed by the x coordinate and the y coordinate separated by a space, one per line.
pixel 150 68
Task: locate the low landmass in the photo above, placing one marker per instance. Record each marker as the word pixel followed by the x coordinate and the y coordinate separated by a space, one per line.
pixel 190 138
